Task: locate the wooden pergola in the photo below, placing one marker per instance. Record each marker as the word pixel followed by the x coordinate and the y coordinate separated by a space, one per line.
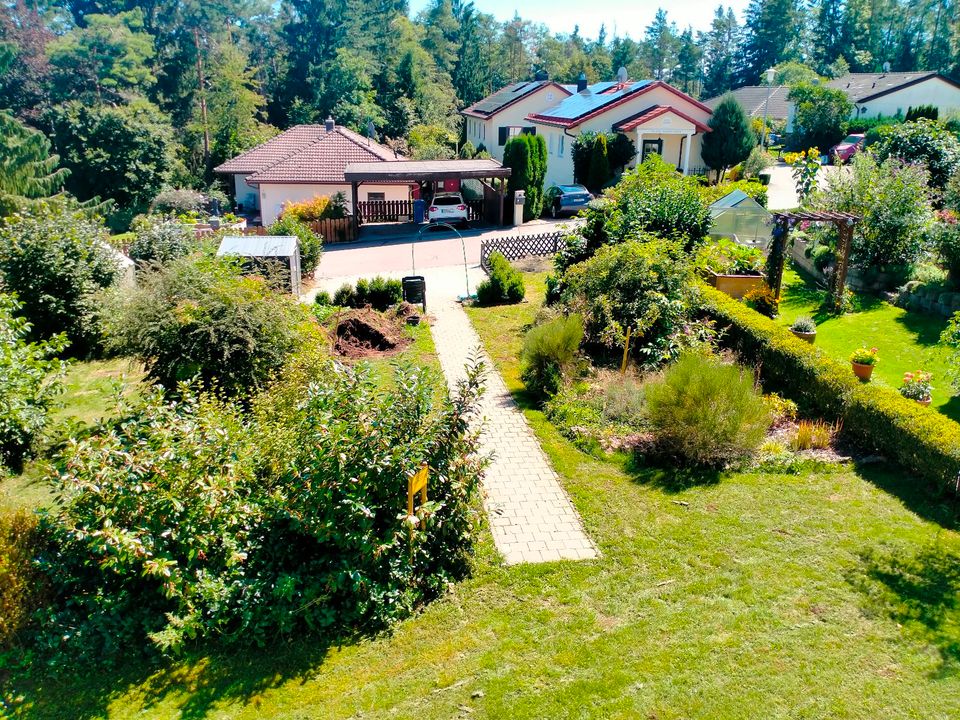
pixel 783 221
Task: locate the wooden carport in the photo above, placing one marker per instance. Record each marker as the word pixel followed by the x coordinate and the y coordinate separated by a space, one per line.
pixel 432 171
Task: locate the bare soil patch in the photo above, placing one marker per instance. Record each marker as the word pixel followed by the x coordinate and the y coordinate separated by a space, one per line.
pixel 367 332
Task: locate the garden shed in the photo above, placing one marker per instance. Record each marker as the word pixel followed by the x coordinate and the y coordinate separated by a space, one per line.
pixel 738 216
pixel 264 253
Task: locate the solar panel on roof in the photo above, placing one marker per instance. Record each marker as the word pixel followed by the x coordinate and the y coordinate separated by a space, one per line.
pixel 582 103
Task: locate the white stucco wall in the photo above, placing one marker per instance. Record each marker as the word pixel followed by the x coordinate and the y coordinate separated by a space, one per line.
pixel 934 91
pixel 248 195
pixel 274 195
pixel 486 132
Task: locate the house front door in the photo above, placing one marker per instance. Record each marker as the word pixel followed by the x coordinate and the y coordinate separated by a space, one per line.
pixel 651 147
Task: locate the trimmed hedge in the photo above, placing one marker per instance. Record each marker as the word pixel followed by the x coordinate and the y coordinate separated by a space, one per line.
pixel 875 417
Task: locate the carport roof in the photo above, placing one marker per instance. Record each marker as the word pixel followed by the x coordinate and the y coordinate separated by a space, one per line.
pixel 424 170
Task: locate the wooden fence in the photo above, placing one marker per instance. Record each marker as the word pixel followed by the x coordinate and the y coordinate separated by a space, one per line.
pixel 374 211
pixel 520 246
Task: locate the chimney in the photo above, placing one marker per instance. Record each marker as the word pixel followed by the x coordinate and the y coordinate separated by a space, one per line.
pixel 329 124
pixel 582 82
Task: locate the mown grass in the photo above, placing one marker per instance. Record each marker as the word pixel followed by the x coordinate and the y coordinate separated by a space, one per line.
pixel 90 394
pixel 907 341
pixel 826 594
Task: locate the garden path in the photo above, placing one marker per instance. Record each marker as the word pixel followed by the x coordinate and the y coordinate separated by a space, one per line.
pixel 531 517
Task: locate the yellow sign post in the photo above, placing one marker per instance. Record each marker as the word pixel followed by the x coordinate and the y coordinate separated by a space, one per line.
pixel 417 483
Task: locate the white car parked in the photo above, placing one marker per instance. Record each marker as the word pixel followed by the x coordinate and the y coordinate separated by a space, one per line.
pixel 448 208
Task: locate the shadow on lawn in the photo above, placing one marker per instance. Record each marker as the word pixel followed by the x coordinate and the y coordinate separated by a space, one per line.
pixel 920 592
pixel 203 681
pixel 927 328
pixel 668 477
pixel 920 497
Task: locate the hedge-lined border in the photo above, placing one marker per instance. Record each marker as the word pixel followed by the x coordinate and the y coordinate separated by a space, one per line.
pixel 876 418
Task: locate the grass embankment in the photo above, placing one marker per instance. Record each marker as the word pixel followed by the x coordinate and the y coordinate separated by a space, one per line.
pixel 826 594
pixel 907 341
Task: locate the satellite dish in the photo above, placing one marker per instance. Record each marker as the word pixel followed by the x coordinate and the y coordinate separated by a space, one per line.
pixel 371 130
pixel 886 67
pixel 622 75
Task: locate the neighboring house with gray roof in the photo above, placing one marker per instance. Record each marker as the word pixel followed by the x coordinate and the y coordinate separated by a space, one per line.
pixel 893 93
pixel 498 117
pixel 303 162
pixel 656 116
pixel 753 98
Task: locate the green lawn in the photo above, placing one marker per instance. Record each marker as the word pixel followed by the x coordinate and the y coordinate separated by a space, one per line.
pixel 90 389
pixel 828 594
pixel 907 341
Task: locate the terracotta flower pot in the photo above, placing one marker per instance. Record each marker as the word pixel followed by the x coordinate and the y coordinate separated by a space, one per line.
pixel 805 336
pixel 926 402
pixel 862 371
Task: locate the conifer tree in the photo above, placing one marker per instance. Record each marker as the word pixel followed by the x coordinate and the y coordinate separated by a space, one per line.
pixel 730 139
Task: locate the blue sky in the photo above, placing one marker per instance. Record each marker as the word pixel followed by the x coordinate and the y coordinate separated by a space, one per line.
pixel 629 17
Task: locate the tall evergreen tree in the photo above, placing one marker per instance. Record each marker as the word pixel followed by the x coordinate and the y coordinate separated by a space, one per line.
pixel 687 74
pixel 770 27
pixel 730 139
pixel 720 48
pixel 828 33
pixel 659 48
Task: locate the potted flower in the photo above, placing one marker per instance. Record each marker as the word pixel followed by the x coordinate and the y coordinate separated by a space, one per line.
pixel 916 386
pixel 863 359
pixel 805 329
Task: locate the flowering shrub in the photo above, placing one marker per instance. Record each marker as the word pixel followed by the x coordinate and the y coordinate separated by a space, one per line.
pixel 191 519
pixel 763 300
pixel 864 356
pixel 916 385
pixel 923 141
pixel 804 167
pixel 30 380
pixel 319 207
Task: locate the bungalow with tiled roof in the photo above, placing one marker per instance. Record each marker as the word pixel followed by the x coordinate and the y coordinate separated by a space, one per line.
pixel 656 116
pixel 305 161
pixel 888 94
pixel 757 100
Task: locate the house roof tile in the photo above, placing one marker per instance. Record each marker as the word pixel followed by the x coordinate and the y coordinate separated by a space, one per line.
pixel 752 99
pixel 860 87
pixel 307 154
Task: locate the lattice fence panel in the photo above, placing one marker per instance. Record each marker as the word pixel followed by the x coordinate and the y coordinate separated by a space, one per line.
pixel 516 247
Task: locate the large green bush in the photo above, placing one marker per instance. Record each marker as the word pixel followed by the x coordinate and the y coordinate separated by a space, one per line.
pixel 56 259
pixel 821 115
pixel 923 141
pixel 30 380
pixel 875 417
pixel 642 284
pixel 894 203
pixel 505 284
pixel 619 148
pixel 706 412
pixel 190 520
pixel 201 317
pixel 311 244
pixel 161 240
pixel 526 156
pixel 549 354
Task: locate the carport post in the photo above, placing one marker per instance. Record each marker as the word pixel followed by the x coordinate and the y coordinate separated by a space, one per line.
pixel 354 207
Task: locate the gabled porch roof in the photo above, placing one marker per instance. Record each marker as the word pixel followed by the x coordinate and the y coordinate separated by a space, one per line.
pixel 655 111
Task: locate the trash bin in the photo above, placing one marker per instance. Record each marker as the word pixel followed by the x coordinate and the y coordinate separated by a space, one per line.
pixel 419 211
pixel 415 290
pixel 519 199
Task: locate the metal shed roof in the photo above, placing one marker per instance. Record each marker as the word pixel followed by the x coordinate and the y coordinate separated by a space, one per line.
pixel 737 198
pixel 258 246
pixel 424 170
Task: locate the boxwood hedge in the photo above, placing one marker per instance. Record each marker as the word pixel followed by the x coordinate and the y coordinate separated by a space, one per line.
pixel 876 418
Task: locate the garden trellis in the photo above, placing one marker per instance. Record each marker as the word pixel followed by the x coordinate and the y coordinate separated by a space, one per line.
pixel 783 221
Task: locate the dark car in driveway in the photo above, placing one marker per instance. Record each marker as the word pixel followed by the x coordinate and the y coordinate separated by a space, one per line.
pixel 567 199
pixel 847 148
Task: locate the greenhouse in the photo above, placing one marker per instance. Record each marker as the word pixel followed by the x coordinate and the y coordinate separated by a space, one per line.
pixel 741 218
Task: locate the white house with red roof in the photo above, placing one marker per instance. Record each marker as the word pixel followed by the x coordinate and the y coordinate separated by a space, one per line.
pixel 656 116
pixel 303 162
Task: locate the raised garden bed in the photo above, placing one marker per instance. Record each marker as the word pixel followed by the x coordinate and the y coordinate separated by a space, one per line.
pixel 735 286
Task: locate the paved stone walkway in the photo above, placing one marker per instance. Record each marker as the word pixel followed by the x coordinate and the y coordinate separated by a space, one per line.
pixel 531 517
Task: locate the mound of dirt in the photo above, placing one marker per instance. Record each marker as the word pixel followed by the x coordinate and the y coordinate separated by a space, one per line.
pixel 366 332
